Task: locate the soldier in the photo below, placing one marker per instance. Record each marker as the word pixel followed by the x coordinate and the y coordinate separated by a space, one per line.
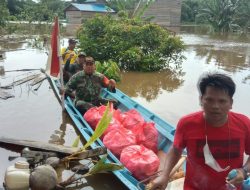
pixel 87 86
pixel 70 69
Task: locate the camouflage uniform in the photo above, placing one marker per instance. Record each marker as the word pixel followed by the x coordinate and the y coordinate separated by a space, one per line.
pixel 87 90
pixel 70 69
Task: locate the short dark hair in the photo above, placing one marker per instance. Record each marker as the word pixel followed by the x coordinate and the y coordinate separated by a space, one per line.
pixel 89 59
pixel 217 80
pixel 72 41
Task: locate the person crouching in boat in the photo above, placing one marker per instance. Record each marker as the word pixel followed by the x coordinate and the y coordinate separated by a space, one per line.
pixel 85 86
pixel 215 139
pixel 70 69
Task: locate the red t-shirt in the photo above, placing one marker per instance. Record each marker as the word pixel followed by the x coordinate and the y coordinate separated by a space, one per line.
pixel 227 145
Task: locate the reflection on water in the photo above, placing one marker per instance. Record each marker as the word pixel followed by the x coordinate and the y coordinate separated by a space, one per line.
pixel 58 136
pixel 227 60
pixel 150 85
pixel 36 115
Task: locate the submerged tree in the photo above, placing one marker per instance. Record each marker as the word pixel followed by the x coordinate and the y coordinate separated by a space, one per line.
pixel 219 14
pixel 189 10
pixel 133 44
pixel 131 8
pixel 4 12
pixel 243 14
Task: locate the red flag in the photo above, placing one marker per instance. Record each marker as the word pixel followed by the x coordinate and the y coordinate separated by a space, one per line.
pixel 55 62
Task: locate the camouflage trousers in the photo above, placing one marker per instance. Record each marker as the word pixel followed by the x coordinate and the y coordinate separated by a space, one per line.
pixel 83 106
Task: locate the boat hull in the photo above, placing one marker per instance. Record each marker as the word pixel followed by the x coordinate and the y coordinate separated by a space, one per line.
pixel 125 103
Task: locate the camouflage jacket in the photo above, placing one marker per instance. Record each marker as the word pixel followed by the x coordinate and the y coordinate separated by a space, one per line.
pixel 86 87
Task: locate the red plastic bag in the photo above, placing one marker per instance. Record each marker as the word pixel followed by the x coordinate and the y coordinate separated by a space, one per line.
pixel 147 135
pixel 94 115
pixel 114 124
pixel 140 161
pixel 117 139
pixel 131 119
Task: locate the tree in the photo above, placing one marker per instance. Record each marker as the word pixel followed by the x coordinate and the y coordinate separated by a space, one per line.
pixel 131 43
pixel 219 14
pixel 4 12
pixel 42 10
pixel 189 10
pixel 243 14
pixel 131 8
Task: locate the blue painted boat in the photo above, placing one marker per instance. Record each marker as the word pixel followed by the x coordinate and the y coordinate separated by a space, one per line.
pixel 166 131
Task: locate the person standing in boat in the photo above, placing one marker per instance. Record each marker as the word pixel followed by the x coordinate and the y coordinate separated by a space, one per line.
pixel 69 52
pixel 70 69
pixel 215 139
pixel 85 87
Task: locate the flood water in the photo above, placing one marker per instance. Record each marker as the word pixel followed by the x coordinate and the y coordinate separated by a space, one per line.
pixel 36 114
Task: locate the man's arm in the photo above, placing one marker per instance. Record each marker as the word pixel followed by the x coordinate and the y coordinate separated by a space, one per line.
pixel 167 163
pixel 110 84
pixel 246 168
pixel 241 174
pixel 67 65
pixel 71 86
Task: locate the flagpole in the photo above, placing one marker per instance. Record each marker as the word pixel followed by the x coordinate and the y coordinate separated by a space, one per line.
pixel 61 81
pixel 61 67
pixel 55 63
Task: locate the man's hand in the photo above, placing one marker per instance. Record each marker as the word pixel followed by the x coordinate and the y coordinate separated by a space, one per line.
pixel 61 91
pixel 64 54
pixel 238 179
pixel 159 183
pixel 112 83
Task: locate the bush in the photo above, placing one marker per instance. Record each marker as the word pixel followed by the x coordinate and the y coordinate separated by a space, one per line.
pixel 109 69
pixel 133 44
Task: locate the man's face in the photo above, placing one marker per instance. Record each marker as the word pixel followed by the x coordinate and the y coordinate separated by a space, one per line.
pixel 72 45
pixel 216 104
pixel 81 60
pixel 89 68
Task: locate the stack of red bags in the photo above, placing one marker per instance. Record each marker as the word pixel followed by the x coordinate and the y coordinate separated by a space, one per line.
pixel 131 138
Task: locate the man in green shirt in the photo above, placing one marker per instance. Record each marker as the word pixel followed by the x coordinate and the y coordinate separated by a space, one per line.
pixel 85 86
pixel 70 69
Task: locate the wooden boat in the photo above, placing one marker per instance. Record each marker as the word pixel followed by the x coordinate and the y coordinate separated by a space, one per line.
pixel 166 131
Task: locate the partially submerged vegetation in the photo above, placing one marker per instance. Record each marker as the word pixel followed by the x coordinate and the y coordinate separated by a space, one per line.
pixel 132 43
pixel 222 15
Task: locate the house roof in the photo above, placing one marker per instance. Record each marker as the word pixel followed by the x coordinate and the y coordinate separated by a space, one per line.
pixel 92 7
pixel 90 1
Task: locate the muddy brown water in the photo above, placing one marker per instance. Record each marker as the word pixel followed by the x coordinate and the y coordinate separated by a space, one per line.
pixel 36 115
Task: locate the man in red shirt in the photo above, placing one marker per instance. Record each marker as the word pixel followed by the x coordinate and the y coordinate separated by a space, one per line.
pixel 215 140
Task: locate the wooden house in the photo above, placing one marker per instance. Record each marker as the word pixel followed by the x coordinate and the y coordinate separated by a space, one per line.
pixel 77 13
pixel 164 12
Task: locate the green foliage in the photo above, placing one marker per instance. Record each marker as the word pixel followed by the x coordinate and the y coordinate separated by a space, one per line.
pixel 131 43
pixel 76 142
pixel 222 15
pixel 103 166
pixel 243 14
pixel 123 5
pixel 101 127
pixel 189 10
pixel 130 8
pixel 219 14
pixel 110 69
pixel 43 10
pixel 4 13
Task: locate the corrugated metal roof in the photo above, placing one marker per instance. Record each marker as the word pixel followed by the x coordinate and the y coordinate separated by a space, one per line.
pixel 93 7
pixel 90 1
